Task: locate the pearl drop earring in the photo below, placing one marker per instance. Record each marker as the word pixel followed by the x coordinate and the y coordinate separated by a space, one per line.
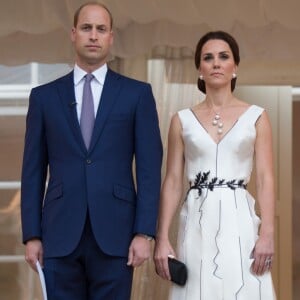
pixel 201 77
pixel 233 75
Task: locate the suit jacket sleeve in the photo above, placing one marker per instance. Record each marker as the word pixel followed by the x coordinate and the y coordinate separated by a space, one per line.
pixel 34 170
pixel 148 156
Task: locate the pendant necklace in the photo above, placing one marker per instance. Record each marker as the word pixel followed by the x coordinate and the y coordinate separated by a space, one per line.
pixel 217 122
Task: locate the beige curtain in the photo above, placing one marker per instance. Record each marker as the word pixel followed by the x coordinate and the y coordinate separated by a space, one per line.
pixel 170 79
pixel 167 77
pixel 267 31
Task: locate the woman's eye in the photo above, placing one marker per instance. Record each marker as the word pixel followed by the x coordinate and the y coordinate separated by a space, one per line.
pixel 207 57
pixel 224 56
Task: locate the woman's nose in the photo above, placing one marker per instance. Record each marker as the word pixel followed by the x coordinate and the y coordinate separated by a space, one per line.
pixel 216 64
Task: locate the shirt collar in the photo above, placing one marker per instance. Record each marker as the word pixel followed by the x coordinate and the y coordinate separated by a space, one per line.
pixel 99 74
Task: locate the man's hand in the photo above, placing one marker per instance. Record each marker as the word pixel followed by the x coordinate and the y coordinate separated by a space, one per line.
pixel 139 251
pixel 34 253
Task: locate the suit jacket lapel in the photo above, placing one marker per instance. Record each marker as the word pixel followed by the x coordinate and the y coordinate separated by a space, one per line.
pixel 67 96
pixel 110 91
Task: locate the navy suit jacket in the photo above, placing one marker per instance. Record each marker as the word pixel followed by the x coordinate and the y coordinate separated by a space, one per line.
pixel 99 180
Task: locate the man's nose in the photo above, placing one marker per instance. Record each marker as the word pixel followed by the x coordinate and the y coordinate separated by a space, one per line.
pixel 93 34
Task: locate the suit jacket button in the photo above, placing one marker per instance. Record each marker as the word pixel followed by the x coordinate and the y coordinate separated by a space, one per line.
pixel 88 161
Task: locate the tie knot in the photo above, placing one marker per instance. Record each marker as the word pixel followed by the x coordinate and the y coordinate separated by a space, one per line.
pixel 89 77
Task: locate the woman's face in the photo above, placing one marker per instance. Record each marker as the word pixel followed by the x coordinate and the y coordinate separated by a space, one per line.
pixel 217 64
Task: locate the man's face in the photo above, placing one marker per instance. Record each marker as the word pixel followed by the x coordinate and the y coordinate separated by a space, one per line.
pixel 92 37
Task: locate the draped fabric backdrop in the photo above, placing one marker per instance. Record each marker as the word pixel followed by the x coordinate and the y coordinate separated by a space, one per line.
pixel 167 30
pixel 167 77
pixel 267 30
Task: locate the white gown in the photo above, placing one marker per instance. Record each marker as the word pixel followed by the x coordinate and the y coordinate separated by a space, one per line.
pixel 218 225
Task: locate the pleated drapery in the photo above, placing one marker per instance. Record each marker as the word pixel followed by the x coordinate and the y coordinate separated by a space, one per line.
pixel 267 31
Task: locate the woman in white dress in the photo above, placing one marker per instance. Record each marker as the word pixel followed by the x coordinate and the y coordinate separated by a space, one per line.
pixel 228 250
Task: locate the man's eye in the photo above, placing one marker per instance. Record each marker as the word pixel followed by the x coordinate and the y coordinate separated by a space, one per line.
pixel 85 27
pixel 102 29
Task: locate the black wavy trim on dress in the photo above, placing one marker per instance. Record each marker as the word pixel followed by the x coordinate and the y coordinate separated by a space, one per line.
pixel 202 182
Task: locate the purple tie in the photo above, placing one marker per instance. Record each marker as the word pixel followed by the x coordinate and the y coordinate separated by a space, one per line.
pixel 87 118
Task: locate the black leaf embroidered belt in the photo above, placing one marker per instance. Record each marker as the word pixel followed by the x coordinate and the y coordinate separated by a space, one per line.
pixel 203 182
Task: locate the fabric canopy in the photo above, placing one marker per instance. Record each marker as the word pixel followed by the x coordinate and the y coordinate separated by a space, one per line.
pixel 268 32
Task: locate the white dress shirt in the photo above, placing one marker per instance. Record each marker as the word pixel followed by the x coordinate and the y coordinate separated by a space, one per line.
pixel 96 85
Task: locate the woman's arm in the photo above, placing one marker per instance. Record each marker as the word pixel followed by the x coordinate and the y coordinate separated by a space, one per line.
pixel 171 194
pixel 264 248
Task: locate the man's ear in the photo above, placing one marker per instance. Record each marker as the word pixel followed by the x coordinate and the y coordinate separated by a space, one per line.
pixel 72 34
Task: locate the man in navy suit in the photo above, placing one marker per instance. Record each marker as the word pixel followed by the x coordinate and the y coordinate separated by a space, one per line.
pixel 89 226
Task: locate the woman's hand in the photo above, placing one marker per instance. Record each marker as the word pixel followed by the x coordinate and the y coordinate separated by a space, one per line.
pixel 162 250
pixel 263 253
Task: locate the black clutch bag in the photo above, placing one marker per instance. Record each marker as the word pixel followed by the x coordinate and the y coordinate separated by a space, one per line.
pixel 178 271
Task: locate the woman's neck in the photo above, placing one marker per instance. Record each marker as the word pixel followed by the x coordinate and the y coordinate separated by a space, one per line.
pixel 219 100
pixel 219 96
